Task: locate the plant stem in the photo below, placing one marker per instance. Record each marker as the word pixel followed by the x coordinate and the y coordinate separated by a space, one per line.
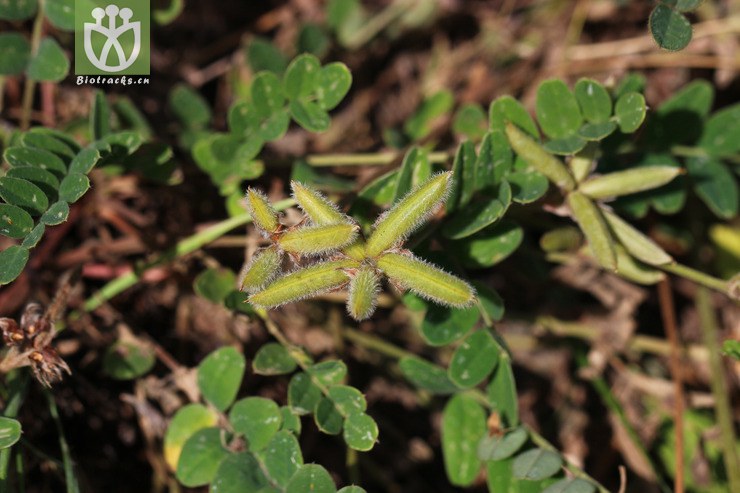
pixel 364 159
pixel 376 344
pixel 698 277
pixel 69 474
pixel 718 382
pixel 668 314
pixel 30 85
pixel 182 248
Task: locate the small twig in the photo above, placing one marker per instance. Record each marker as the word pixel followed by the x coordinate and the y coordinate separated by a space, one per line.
pixel 718 382
pixel 668 314
pixel 622 479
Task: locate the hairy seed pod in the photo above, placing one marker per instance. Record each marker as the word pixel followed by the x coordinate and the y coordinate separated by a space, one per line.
pixel 303 283
pixel 363 293
pixel 592 223
pixel 320 209
pixel 313 240
pixel 537 157
pixel 408 214
pixel 263 215
pixel 262 269
pixel 629 181
pixel 427 280
pixel 637 244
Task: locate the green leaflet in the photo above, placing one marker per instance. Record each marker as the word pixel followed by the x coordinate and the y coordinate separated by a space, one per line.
pixel 318 239
pixel 303 283
pixel 427 280
pixel 406 215
pixel 319 208
pixel 538 158
pixel 262 213
pixel 636 243
pixel 262 269
pixel 591 220
pixel 363 291
pixel 629 181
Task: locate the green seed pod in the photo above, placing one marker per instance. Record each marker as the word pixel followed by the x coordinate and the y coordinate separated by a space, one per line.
pixel 538 158
pixel 427 280
pixel 636 243
pixel 629 181
pixel 303 283
pixel 593 225
pixel 635 271
pixel 263 215
pixel 262 269
pixel 320 209
pixel 313 240
pixel 363 293
pixel 408 214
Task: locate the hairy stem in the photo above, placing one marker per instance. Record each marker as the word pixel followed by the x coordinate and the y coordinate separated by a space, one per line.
pixel 718 382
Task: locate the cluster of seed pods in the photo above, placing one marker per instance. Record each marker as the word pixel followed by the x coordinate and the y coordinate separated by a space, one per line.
pixel 342 257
